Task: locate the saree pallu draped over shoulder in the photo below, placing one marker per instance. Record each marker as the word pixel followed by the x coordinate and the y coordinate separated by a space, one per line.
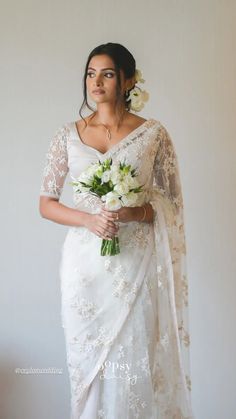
pixel 125 317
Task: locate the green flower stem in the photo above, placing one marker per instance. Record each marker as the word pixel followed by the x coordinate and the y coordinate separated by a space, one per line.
pixel 110 247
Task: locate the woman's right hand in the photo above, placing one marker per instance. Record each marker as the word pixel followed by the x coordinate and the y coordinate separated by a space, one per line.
pixel 101 226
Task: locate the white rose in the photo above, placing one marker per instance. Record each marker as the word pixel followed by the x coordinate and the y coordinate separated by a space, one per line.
pixel 113 201
pixel 133 183
pixel 122 188
pixel 115 174
pixel 129 199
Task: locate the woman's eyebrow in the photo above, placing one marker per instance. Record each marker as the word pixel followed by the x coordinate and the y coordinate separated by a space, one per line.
pixel 102 69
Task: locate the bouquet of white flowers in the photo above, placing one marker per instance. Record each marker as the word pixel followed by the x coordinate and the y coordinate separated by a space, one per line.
pixel 116 185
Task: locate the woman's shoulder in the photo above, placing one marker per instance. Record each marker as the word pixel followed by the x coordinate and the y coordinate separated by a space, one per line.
pixel 149 121
pixel 66 129
pixel 63 128
pixel 135 119
pixel 161 133
pixel 159 126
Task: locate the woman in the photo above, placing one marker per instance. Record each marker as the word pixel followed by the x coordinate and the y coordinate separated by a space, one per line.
pixel 124 316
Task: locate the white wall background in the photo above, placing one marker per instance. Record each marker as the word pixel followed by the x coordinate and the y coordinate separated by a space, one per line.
pixel 186 50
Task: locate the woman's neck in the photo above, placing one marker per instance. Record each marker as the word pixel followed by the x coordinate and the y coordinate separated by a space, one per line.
pixel 109 118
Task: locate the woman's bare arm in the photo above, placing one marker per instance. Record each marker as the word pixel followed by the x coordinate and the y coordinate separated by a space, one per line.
pixel 53 210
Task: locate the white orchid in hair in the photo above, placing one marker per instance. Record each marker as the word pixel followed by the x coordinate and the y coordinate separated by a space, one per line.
pixel 137 95
pixel 138 76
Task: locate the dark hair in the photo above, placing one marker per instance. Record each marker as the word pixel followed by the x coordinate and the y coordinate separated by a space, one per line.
pixel 122 59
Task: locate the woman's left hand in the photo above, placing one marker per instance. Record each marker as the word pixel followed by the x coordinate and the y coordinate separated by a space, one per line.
pixel 125 214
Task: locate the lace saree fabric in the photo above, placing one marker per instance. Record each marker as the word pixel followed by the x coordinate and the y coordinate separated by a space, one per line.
pixel 125 317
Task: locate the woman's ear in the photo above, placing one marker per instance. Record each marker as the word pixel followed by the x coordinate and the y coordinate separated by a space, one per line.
pixel 130 83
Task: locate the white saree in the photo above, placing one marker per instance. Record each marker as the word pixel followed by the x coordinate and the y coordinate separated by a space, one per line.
pixel 125 317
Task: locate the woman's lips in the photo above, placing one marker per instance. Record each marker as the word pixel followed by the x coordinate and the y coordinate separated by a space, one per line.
pixel 98 92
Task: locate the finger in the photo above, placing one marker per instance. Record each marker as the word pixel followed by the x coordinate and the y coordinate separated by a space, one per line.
pixel 112 215
pixel 105 215
pixel 108 222
pixel 104 234
pixel 109 227
pixel 108 213
pixel 105 211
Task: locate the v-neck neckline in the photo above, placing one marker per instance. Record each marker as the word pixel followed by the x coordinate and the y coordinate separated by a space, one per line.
pixel 133 132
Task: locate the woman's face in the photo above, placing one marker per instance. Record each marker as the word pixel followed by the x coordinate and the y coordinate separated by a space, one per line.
pixel 101 76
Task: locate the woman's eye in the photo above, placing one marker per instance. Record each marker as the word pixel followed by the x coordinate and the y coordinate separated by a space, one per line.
pixel 111 74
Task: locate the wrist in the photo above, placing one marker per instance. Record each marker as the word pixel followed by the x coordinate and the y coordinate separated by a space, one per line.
pixel 84 218
pixel 140 213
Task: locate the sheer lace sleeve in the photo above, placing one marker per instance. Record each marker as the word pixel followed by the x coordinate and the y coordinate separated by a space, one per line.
pixel 166 170
pixel 56 165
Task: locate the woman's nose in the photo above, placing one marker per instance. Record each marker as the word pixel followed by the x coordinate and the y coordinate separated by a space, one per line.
pixel 98 80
